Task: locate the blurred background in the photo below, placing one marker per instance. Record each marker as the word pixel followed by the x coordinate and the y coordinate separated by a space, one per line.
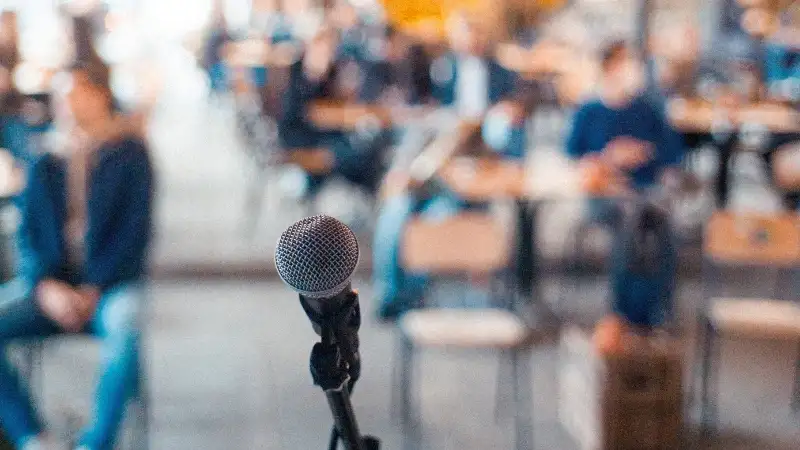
pixel 498 161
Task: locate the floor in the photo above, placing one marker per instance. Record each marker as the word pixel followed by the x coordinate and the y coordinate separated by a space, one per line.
pixel 228 369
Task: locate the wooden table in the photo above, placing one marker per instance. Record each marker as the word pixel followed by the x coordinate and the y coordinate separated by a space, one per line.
pixel 333 115
pixel 528 185
pixel 259 53
pixel 700 116
pixel 339 115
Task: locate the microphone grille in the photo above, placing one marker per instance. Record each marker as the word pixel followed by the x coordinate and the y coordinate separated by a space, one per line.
pixel 316 256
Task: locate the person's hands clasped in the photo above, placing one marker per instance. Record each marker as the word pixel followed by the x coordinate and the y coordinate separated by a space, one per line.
pixel 628 153
pixel 70 308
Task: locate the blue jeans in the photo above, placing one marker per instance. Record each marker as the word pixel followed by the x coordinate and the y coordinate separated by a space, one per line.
pixel 395 288
pixel 643 297
pixel 116 323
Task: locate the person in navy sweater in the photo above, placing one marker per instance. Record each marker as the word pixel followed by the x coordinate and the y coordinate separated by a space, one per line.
pixel 623 131
pixel 84 238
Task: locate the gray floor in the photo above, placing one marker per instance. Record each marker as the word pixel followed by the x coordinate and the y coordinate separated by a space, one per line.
pixel 229 371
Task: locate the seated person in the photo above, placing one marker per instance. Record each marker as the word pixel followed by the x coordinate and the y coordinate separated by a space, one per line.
pixel 622 133
pixel 470 81
pixel 317 77
pixel 84 235
pixel 389 78
pixel 625 138
pixel 478 90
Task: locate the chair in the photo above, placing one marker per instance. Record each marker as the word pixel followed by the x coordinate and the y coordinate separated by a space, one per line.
pixel 470 243
pixel 259 132
pixel 747 241
pixel 33 371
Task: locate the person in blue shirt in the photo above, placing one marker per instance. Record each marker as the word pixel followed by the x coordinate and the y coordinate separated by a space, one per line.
pixel 623 130
pixel 471 87
pixel 84 238
pixel 623 135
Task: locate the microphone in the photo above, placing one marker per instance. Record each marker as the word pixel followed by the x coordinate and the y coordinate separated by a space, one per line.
pixel 316 257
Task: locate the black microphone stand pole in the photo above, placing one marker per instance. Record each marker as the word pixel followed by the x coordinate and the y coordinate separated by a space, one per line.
pixel 335 364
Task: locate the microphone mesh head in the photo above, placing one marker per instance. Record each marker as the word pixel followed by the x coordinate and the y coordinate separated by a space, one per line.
pixel 317 256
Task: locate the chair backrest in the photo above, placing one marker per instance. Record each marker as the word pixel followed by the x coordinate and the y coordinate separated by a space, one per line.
pixel 470 242
pixel 749 239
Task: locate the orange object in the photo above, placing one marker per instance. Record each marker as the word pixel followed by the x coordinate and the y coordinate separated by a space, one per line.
pixel 608 335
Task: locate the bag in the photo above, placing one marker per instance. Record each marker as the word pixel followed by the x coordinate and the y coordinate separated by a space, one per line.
pixel 644 263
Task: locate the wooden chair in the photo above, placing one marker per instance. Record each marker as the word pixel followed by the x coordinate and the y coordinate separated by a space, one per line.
pixel 259 133
pixel 470 243
pixel 751 242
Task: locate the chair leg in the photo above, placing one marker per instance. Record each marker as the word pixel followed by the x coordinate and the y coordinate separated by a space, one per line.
pixel 396 400
pixel 142 435
pixel 32 370
pixel 796 393
pixel 708 406
pixel 523 397
pixel 501 391
pixel 409 425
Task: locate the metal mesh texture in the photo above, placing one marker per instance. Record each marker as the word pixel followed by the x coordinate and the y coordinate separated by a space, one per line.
pixel 317 256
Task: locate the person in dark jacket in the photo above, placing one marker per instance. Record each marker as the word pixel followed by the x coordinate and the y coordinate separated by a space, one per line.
pixel 317 76
pixel 84 238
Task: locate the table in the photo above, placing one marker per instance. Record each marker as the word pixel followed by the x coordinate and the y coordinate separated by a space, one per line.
pixel 259 53
pixel 341 115
pixel 700 122
pixel 528 185
pixel 333 115
pixel 699 116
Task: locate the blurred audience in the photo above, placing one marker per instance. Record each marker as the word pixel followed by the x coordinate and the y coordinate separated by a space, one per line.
pixel 477 90
pixel 85 230
pixel 318 76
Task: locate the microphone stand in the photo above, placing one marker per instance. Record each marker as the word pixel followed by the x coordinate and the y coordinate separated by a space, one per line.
pixel 335 363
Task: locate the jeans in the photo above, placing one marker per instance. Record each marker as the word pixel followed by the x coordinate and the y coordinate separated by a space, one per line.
pixel 116 323
pixel 643 297
pixel 396 289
